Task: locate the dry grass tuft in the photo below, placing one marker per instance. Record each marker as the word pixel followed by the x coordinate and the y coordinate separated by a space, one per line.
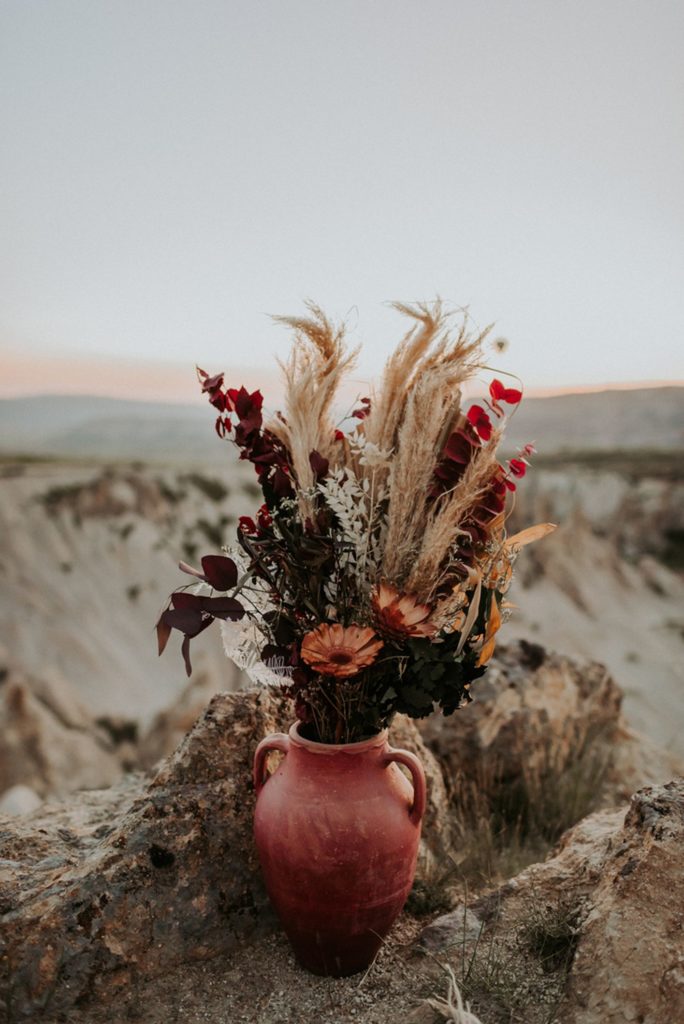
pixel 453 1008
pixel 507 823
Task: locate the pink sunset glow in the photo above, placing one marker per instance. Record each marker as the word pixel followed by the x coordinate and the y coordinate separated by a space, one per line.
pixel 147 380
pixel 159 381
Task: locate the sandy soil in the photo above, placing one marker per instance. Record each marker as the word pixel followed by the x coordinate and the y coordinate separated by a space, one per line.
pixel 263 984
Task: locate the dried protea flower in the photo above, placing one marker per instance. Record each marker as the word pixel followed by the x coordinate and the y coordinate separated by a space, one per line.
pixel 340 651
pixel 399 615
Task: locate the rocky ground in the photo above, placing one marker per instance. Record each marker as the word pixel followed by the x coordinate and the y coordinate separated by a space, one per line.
pixel 144 901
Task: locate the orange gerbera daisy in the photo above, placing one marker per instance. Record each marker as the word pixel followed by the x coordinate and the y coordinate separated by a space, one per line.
pixel 341 651
pixel 400 615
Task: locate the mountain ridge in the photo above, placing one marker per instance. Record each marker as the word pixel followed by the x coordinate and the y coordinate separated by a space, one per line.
pixel 87 425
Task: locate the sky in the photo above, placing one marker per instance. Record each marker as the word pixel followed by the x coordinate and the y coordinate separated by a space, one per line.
pixel 175 171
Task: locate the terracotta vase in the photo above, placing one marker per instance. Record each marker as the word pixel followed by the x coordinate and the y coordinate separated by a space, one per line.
pixel 337 828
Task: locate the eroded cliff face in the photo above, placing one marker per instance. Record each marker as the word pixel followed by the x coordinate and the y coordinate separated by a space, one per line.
pixel 110 889
pixel 89 555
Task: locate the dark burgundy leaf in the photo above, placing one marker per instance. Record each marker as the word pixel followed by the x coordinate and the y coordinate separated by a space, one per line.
pixel 319 465
pixel 303 711
pixel 223 607
pixel 188 620
pixel 282 488
pixel 220 571
pixel 213 383
pixel 247 405
pixel 185 649
pixel 163 634
pixel 459 447
pixel 184 599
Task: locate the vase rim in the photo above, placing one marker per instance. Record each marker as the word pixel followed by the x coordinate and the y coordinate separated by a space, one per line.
pixel 358 747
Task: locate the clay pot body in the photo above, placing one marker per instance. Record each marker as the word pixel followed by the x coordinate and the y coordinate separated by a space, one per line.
pixel 337 829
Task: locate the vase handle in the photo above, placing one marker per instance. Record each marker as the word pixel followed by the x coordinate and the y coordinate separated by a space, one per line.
pixel 419 791
pixel 278 741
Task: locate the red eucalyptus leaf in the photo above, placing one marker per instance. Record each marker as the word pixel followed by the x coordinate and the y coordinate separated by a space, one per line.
pixel 481 421
pixel 220 571
pixel 517 467
pixel 264 519
pixel 500 393
pixel 363 410
pixel 218 400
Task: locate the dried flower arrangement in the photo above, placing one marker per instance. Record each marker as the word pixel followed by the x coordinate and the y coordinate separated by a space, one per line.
pixel 372 579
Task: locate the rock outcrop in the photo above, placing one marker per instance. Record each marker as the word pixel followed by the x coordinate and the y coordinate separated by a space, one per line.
pixel 118 886
pixel 629 963
pixel 533 716
pixel 532 708
pixel 620 878
pixel 150 874
pixel 593 935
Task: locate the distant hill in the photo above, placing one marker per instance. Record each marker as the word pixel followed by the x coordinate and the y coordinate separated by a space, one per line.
pixel 605 420
pixel 108 428
pixel 87 426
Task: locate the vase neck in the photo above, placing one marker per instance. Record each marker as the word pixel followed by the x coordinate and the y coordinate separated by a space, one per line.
pixel 310 751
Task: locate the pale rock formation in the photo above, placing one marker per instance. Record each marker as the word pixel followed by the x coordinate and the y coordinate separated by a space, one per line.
pixel 48 742
pixel 623 874
pixel 19 800
pixel 170 725
pixel 533 714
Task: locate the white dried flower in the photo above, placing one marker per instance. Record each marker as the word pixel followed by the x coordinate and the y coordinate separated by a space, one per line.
pixel 373 456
